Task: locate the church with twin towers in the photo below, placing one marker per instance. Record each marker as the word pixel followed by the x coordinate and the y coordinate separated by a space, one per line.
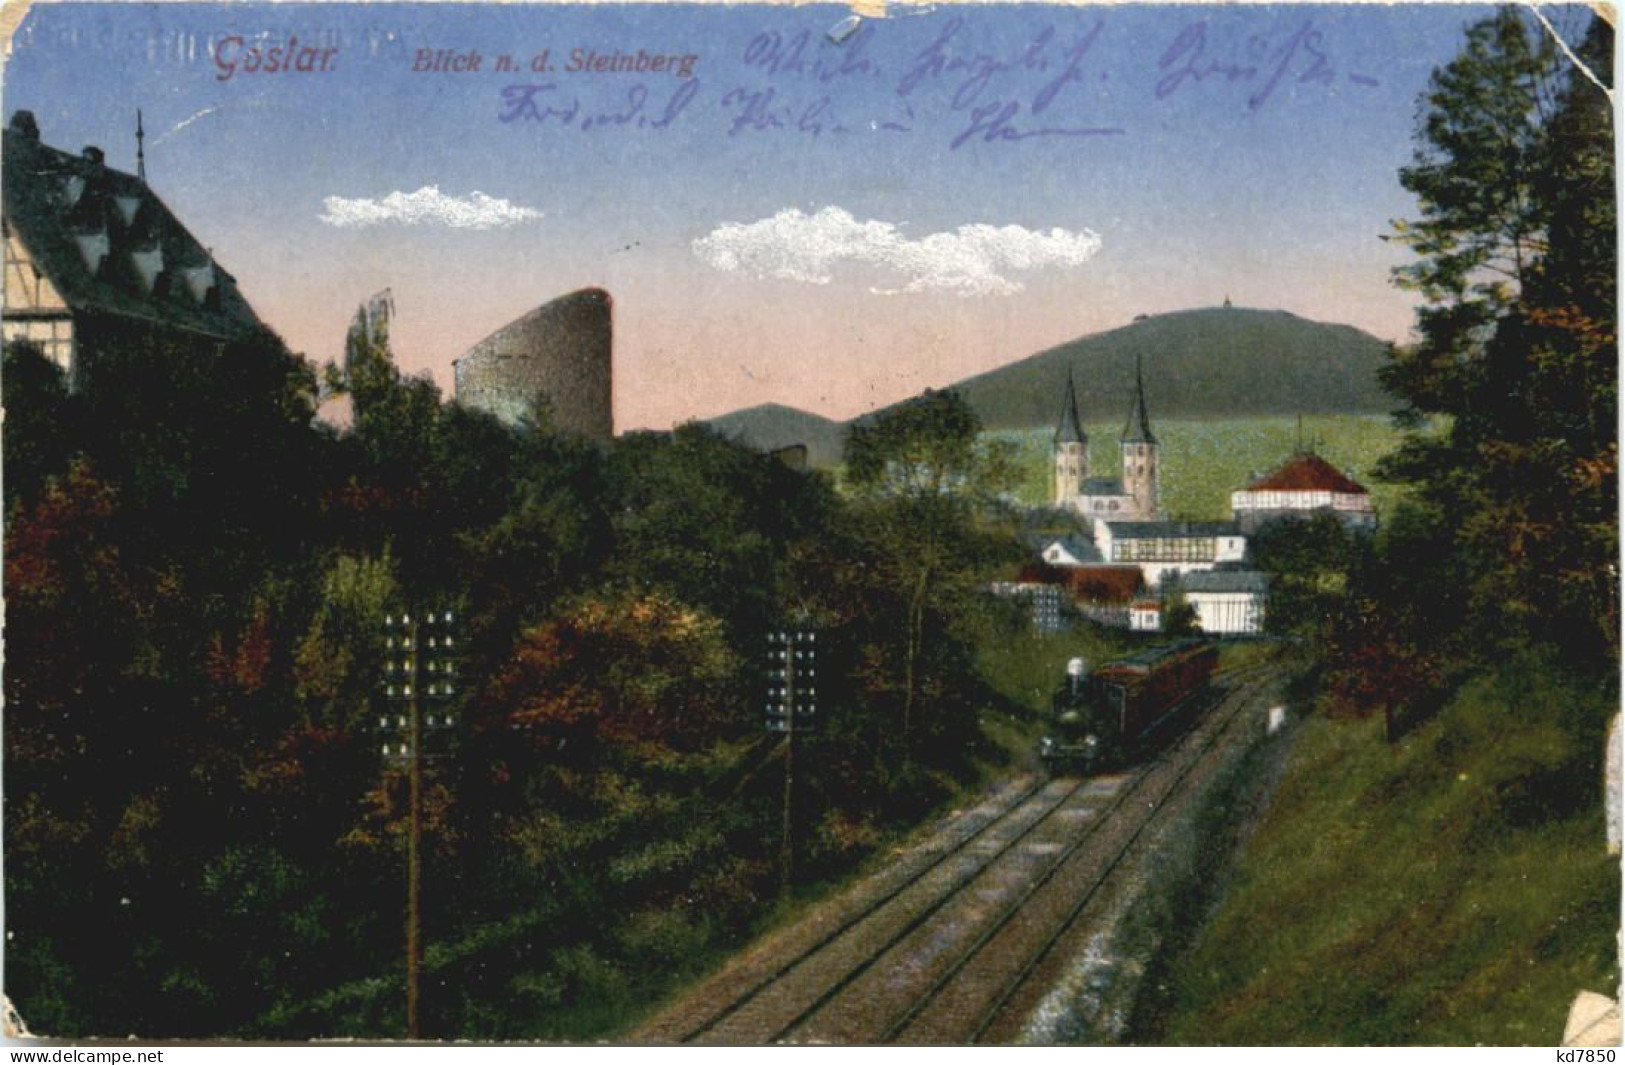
pixel 1131 497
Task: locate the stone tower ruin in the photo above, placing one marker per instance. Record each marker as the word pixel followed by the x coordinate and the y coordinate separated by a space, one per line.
pixel 554 361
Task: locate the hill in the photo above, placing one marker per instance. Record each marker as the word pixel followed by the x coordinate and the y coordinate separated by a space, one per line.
pixel 1215 361
pixel 1450 888
pixel 771 426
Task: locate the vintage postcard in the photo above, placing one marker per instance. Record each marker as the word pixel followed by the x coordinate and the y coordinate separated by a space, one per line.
pixel 817 524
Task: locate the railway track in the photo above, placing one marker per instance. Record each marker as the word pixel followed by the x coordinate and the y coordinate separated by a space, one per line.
pixel 930 950
pixel 1021 984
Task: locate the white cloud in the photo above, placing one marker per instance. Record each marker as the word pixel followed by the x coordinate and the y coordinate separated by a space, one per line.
pixel 427 206
pixel 973 260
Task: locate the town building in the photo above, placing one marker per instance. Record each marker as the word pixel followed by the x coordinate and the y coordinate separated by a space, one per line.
pixel 1145 615
pixel 96 263
pixel 1102 594
pixel 1131 497
pixel 553 363
pixel 1169 548
pixel 1228 602
pixel 1070 550
pixel 1303 487
pixel 1201 561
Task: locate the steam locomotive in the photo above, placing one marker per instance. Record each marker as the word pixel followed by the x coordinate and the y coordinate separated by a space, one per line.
pixel 1102 718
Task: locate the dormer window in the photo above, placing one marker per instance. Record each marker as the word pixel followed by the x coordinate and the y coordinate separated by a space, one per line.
pixel 94 248
pixel 127 207
pixel 199 281
pixel 148 265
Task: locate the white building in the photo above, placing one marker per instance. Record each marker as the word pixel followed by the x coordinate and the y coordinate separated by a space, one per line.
pixel 1307 485
pixel 1145 615
pixel 1069 552
pixel 1169 548
pixel 1228 602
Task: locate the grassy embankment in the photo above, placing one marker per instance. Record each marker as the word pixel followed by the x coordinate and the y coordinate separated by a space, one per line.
pixel 1451 888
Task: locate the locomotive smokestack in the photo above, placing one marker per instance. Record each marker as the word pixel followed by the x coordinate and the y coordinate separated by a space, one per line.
pixel 1076 670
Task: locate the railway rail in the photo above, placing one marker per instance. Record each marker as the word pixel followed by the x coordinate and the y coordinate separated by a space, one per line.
pixel 930 949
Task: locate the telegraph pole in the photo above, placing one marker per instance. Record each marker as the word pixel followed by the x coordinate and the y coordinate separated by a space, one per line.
pixel 414 859
pixel 791 703
pixel 787 828
pixel 409 653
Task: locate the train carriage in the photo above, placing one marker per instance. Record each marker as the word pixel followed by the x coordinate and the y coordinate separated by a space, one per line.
pixel 1100 718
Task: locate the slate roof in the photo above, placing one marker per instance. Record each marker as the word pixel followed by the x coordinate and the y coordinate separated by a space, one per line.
pixel 1307 473
pixel 1225 581
pixel 1138 428
pixel 1070 429
pixel 1171 530
pixel 1076 546
pixel 109 245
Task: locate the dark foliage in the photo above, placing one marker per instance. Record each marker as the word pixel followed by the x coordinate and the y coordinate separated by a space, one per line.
pixel 1511 542
pixel 201 837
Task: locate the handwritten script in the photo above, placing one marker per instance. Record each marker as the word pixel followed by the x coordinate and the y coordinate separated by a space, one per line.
pixel 1051 85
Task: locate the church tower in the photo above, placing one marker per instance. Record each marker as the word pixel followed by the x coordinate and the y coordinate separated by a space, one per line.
pixel 1140 454
pixel 1071 450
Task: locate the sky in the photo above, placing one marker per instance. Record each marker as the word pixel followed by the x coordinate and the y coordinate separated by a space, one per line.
pixel 793 205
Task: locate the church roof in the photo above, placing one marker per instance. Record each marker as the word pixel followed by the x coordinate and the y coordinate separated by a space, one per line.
pixel 109 245
pixel 1070 429
pixel 1102 486
pixel 1307 473
pixel 1138 428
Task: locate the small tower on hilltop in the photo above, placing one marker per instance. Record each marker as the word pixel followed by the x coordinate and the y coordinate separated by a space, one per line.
pixel 1071 450
pixel 1140 454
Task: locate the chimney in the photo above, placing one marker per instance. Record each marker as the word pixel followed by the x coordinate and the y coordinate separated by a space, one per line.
pixel 94 154
pixel 24 125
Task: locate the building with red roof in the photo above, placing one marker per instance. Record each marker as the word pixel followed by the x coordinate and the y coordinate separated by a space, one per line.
pixel 1305 486
pixel 1101 593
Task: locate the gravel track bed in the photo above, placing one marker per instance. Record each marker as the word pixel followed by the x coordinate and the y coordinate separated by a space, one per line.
pixel 699 1008
pixel 807 985
pixel 962 934
pixel 887 985
pixel 1092 923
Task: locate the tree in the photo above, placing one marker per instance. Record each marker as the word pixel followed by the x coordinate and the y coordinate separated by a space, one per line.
pixel 693 513
pixel 1309 563
pixel 925 479
pixel 1478 160
pixel 1515 246
pixel 642 673
pixel 1481 153
pixel 40 421
pixel 1179 617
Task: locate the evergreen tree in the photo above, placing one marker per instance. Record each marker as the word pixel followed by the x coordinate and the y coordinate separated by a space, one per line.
pixel 1515 366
